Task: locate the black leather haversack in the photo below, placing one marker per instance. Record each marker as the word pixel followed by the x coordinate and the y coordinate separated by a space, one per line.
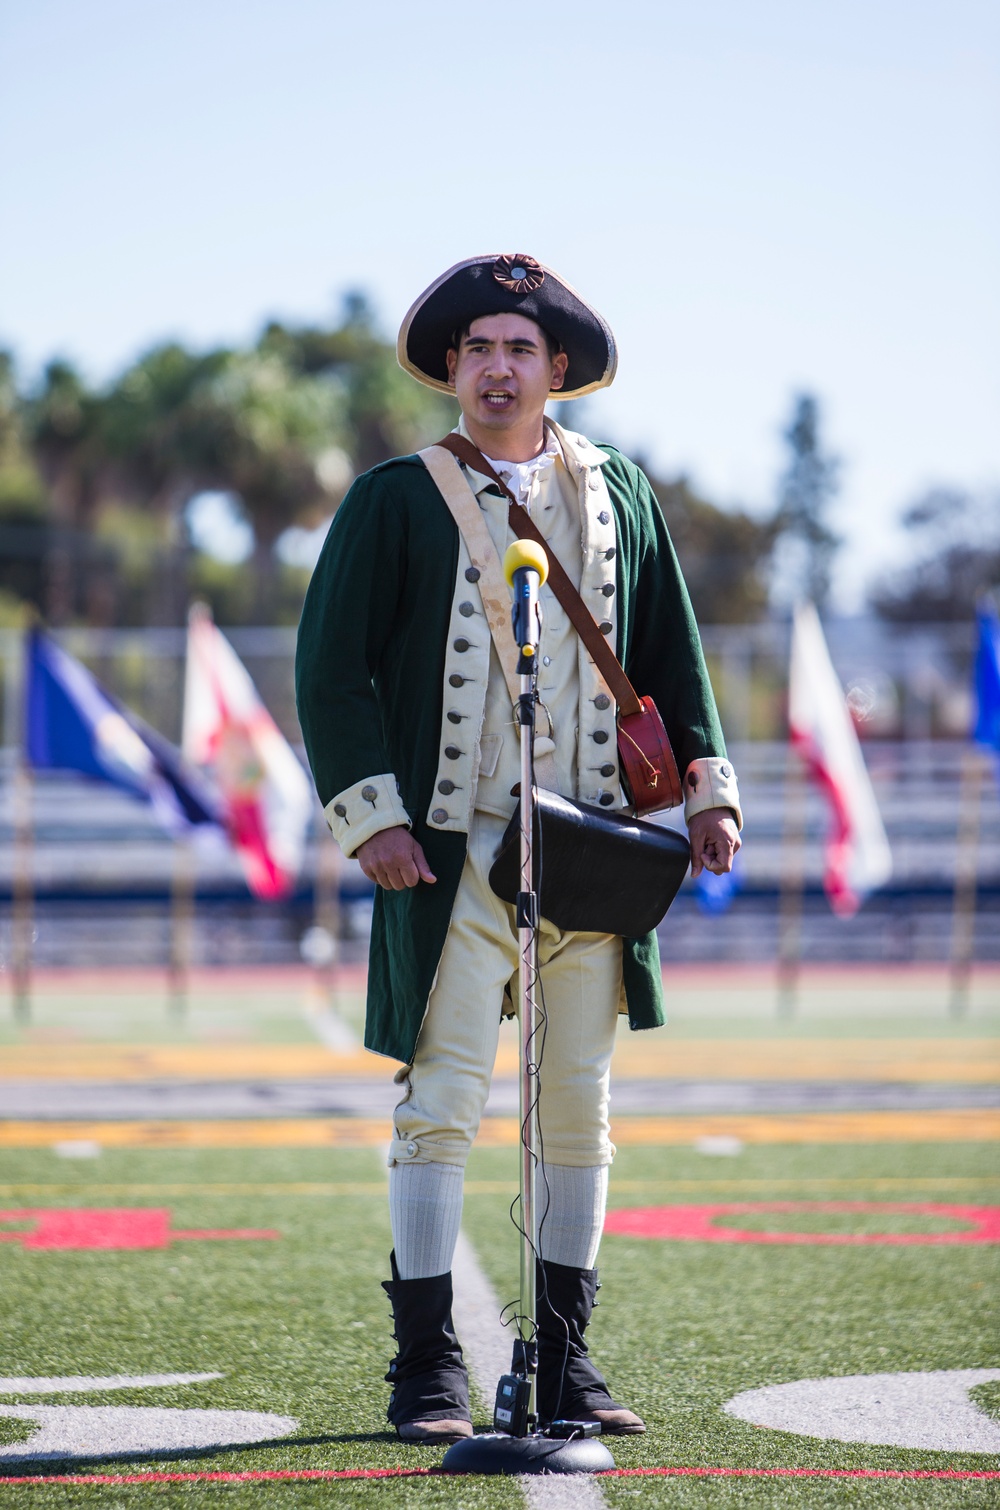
pixel 595 871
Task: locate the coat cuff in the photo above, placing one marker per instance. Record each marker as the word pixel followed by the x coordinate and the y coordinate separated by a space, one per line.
pixel 711 782
pixel 365 809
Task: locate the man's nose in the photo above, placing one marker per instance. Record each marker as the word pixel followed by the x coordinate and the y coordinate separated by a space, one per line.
pixel 499 363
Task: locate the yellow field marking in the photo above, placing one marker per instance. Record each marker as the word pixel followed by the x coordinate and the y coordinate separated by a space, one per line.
pixel 638 1056
pixel 962 1125
pixel 494 1187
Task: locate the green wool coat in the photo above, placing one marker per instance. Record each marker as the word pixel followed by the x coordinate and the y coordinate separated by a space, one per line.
pixel 371 649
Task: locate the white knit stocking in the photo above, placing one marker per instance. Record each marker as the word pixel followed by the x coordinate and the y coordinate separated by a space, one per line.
pixel 571 1230
pixel 425 1206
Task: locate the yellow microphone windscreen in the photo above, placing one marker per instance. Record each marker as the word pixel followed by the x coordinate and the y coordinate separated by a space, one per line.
pixel 525 553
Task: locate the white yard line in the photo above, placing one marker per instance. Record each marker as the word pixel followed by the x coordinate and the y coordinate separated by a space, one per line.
pixel 487 1347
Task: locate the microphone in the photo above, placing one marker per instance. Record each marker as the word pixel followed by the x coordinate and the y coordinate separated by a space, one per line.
pixel 526 566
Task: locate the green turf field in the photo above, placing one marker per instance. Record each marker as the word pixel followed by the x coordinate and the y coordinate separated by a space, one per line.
pixel 299 1326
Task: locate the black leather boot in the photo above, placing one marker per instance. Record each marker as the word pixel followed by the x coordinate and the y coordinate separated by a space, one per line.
pixel 570 1388
pixel 430 1386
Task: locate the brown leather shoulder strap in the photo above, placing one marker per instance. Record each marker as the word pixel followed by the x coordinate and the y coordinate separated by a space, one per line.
pixel 576 610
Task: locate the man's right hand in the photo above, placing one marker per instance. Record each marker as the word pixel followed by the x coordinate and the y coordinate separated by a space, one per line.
pixel 392 858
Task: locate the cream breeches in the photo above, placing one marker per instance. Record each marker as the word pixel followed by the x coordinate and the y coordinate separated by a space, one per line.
pixel 448 1082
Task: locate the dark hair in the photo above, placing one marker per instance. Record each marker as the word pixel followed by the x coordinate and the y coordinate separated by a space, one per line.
pixel 552 346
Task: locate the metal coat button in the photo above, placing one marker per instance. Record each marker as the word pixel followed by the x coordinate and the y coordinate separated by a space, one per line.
pixel 340 810
pixel 411 1148
pixel 472 574
pixel 607 770
pixel 605 799
pixel 466 610
pixel 446 788
pixel 602 701
pixel 454 718
pixel 604 517
pixel 546 660
pixel 452 752
pixel 601 737
pixel 439 815
pixel 457 681
pixel 606 627
pixel 610 553
pixel 726 771
pixel 461 646
pixel 608 589
pixel 369 793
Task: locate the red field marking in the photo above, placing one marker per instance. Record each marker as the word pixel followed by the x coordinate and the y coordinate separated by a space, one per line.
pixel 271 1475
pixel 111 1227
pixel 698 1223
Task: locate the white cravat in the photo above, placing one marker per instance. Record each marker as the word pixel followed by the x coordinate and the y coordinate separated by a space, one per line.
pixel 520 475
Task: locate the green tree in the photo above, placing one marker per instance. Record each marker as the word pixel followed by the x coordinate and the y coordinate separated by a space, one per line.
pixel 955 537
pixel 805 544
pixel 724 553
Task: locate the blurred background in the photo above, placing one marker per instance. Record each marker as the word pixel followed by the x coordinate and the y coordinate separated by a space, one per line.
pixel 215 216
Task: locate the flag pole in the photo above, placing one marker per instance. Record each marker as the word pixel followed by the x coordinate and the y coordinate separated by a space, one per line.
pixel 23 887
pixel 963 918
pixel 793 844
pixel 23 898
pixel 181 927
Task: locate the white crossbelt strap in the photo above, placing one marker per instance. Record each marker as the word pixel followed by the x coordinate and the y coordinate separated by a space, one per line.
pixel 454 488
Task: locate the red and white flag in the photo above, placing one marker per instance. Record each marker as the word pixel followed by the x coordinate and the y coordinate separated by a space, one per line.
pixel 266 796
pixel 858 858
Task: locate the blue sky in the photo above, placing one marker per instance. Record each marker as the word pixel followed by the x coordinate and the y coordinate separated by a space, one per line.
pixel 760 196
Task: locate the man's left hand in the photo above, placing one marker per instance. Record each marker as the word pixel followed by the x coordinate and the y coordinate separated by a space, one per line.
pixel 714 841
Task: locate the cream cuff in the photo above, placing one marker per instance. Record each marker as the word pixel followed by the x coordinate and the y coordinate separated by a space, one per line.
pixel 364 809
pixel 711 782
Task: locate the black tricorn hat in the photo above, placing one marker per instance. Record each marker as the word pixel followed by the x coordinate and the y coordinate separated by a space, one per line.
pixel 499 285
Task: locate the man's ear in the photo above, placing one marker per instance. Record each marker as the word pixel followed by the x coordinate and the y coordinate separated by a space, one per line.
pixel 559 364
pixel 451 359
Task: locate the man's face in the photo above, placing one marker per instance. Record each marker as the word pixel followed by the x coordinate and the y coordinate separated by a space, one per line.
pixel 502 374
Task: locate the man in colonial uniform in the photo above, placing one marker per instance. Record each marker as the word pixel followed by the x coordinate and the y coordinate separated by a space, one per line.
pixel 409 726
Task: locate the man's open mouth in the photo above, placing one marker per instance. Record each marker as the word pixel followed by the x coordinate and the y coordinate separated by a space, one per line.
pixel 498 398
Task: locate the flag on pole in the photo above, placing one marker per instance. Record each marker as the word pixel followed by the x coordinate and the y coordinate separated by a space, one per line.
pixel 857 858
pixel 266 796
pixel 986 730
pixel 72 723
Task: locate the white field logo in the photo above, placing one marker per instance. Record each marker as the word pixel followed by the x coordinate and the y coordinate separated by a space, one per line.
pixel 67 1432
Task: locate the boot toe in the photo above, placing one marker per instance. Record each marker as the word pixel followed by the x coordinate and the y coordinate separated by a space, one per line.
pixel 617 1422
pixel 432 1433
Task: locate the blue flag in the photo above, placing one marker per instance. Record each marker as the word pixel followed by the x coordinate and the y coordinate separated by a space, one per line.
pixel 987 727
pixel 73 724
